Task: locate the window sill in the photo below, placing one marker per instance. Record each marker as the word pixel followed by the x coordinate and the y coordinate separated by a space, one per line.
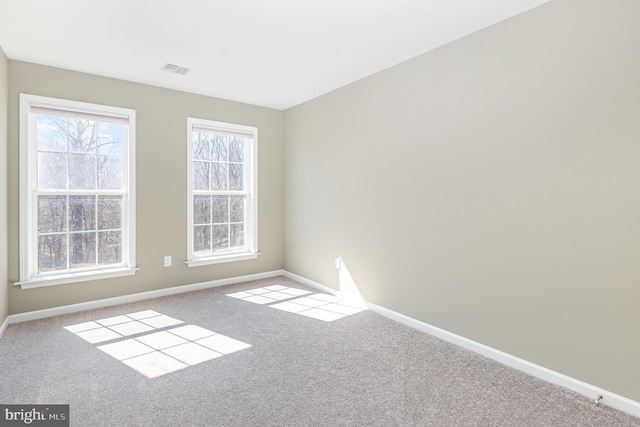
pixel 242 256
pixel 81 276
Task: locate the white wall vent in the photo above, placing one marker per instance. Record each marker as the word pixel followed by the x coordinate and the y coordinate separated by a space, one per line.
pixel 176 69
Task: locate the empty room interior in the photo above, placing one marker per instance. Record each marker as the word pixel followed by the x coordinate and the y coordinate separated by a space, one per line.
pixel 390 213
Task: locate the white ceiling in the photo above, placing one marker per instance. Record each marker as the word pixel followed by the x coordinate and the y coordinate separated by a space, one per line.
pixel 274 53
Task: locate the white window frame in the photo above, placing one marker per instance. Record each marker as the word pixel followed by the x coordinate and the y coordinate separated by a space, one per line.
pixel 251 192
pixel 29 276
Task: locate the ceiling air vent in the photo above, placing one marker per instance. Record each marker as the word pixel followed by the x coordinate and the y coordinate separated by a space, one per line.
pixel 176 69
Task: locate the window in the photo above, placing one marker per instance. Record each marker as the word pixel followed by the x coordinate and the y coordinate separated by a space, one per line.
pixel 222 199
pixel 77 218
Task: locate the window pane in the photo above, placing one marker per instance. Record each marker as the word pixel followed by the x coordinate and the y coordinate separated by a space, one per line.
pixel 82 213
pixel 110 172
pixel 82 250
pixel 201 175
pixel 236 177
pixel 237 236
pixel 109 247
pixel 201 145
pixel 219 176
pixel 76 187
pixel 220 149
pixel 220 218
pixel 82 171
pixel 220 209
pixel 110 138
pixel 237 208
pixel 52 214
pixel 49 133
pixel 236 150
pixel 52 252
pixel 52 171
pixel 109 212
pixel 202 210
pixel 220 237
pixel 82 135
pixel 202 239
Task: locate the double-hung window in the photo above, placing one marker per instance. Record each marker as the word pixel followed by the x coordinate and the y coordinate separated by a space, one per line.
pixel 222 192
pixel 77 218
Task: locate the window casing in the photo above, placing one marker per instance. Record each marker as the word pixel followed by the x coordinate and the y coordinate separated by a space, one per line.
pixel 77 219
pixel 222 202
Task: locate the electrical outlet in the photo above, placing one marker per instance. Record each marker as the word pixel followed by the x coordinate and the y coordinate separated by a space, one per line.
pixel 167 261
pixel 338 263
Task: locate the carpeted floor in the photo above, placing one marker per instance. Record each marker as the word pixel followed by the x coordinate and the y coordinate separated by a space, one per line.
pixel 269 356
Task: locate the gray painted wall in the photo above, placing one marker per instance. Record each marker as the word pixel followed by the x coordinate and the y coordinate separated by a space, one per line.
pixel 161 145
pixel 4 81
pixel 489 187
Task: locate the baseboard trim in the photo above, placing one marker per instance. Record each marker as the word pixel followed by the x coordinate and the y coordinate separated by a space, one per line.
pixel 608 398
pixel 107 302
pixel 4 326
pixel 320 287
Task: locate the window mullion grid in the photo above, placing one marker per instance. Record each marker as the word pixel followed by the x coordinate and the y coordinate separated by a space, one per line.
pixel 220 193
pixel 81 192
pixel 30 257
pixel 228 187
pixel 68 186
pixel 210 221
pixel 95 154
pixel 35 269
pixel 210 171
pixel 32 185
pixel 228 222
pixel 245 192
pixel 95 183
pixel 68 237
pixel 95 221
pixel 246 183
pixel 126 196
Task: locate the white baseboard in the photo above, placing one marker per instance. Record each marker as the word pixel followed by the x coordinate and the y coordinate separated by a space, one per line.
pixel 74 308
pixel 310 283
pixel 592 392
pixel 611 399
pixel 3 326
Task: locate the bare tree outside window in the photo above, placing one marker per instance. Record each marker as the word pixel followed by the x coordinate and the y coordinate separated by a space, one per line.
pixel 218 214
pixel 78 160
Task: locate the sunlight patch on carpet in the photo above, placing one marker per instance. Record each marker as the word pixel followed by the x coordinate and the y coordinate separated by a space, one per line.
pixel 316 306
pixel 134 340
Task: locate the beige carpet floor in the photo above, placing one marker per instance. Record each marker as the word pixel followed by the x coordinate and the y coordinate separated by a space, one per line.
pixel 269 353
